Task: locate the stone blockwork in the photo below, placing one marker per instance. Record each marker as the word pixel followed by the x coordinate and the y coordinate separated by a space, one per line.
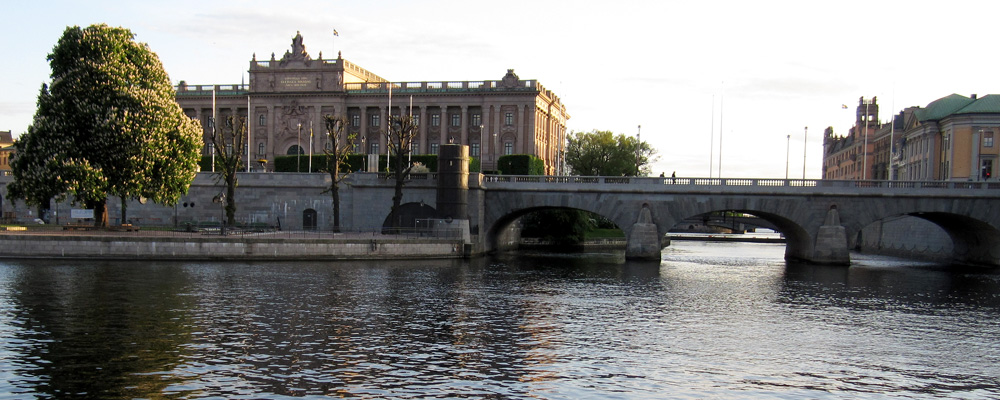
pixel 219 248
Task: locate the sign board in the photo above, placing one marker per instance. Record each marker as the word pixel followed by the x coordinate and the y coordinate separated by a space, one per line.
pixel 81 213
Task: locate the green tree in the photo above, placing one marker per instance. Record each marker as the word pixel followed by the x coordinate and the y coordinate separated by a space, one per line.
pixel 558 226
pixel 601 153
pixel 339 146
pixel 228 143
pixel 107 125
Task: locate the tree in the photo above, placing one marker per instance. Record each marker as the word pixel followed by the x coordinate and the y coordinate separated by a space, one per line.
pixel 107 125
pixel 601 153
pixel 402 131
pixel 337 150
pixel 228 143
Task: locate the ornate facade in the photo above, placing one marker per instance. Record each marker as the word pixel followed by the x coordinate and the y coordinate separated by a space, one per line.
pixel 288 97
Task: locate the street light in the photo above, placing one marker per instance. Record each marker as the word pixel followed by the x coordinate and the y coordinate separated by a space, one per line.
pixel 788 152
pixel 298 147
pixel 805 138
pixel 482 148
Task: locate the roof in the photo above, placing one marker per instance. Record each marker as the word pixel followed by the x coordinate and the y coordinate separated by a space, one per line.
pixel 956 104
pixel 943 107
pixel 5 137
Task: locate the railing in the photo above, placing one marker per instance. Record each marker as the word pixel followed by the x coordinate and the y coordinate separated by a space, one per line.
pixel 435 87
pixel 206 90
pixel 741 182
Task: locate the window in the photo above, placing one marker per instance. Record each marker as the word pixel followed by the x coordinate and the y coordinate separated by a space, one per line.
pixel 456 119
pixel 414 148
pixel 355 120
pixel 295 149
pixel 229 149
pixel 210 122
pixel 262 120
pixel 260 149
pixel 508 119
pixel 435 119
pixel 988 139
pixel 376 120
pixel 374 148
pixel 986 170
pixel 416 120
pixel 508 148
pixel 474 150
pixel 477 119
pixel 434 148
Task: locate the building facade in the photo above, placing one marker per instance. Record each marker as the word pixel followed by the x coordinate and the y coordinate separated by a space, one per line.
pixel 6 150
pixel 287 99
pixel 951 139
pixel 851 156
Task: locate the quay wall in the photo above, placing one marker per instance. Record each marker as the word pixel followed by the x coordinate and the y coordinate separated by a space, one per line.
pixel 905 236
pixel 223 248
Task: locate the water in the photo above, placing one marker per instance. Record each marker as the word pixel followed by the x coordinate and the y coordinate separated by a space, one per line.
pixel 714 320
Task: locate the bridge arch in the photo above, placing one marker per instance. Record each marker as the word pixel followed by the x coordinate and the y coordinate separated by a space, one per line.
pixel 799 242
pixel 975 240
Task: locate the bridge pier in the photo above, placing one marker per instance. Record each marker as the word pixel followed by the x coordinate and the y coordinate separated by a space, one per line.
pixel 644 238
pixel 831 241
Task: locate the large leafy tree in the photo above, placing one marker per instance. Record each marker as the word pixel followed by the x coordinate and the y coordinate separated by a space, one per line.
pixel 107 125
pixel 602 153
pixel 339 145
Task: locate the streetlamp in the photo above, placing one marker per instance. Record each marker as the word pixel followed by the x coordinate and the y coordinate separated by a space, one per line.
pixel 638 140
pixel 482 148
pixel 298 147
pixel 805 138
pixel 221 199
pixel 788 152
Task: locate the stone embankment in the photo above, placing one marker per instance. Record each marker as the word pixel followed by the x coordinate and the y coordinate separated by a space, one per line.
pixel 171 246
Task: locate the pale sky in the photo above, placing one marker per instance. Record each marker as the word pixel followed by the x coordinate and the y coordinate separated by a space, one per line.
pixel 768 69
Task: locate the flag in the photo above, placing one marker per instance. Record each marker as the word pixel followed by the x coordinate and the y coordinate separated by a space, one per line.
pixel 844 106
pixel 335 33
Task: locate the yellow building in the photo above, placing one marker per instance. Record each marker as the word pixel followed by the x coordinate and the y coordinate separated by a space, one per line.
pixel 953 138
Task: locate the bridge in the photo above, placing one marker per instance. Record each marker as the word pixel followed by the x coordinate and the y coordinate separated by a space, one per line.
pixel 816 216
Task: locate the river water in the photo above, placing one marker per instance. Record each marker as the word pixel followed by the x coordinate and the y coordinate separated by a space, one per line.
pixel 713 320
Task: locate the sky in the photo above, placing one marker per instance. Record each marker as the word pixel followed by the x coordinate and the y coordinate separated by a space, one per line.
pixel 755 82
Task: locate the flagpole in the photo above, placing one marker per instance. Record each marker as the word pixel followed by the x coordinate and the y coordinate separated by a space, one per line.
pixel 310 146
pixel 214 123
pixel 388 128
pixel 248 131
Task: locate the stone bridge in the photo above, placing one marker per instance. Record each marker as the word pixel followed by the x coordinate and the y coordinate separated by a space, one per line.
pixel 816 216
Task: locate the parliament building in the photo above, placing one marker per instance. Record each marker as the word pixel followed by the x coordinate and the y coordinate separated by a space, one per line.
pixel 287 98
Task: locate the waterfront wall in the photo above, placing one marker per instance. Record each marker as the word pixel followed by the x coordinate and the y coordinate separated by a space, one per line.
pixel 224 248
pixel 905 236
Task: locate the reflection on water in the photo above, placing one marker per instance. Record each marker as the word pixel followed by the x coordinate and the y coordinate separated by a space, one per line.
pixel 713 320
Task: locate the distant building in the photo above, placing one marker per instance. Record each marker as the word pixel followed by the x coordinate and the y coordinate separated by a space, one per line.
pixel 6 150
pixel 289 97
pixel 952 138
pixel 848 157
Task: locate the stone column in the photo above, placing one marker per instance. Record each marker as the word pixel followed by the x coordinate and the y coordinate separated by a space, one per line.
pixel 644 239
pixel 463 135
pixel 831 241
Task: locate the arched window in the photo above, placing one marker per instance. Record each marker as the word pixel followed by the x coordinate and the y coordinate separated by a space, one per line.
pixel 262 120
pixel 295 149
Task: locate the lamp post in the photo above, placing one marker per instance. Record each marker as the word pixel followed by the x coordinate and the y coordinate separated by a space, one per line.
pixel 221 199
pixel 482 150
pixel 298 147
pixel 805 138
pixel 638 140
pixel 788 152
pixel 364 152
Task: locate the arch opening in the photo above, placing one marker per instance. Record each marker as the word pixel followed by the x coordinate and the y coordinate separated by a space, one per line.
pixel 798 243
pixel 555 228
pixel 936 236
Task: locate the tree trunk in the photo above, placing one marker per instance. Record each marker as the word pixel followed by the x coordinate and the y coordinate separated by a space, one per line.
pixel 100 212
pixel 231 199
pixel 335 192
pixel 124 212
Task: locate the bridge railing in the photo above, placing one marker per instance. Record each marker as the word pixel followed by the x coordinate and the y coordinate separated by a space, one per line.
pixel 740 182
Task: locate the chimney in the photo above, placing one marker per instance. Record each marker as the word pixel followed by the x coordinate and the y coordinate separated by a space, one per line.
pixel 973 96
